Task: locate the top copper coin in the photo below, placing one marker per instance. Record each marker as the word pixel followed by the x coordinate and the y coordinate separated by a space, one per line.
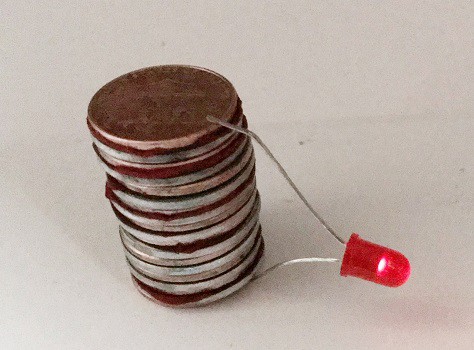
pixel 163 106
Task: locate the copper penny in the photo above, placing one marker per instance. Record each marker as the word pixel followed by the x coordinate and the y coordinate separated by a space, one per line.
pixel 162 106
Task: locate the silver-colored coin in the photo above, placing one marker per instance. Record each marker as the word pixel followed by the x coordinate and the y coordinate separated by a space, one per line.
pixel 178 180
pixel 181 203
pixel 248 213
pixel 199 186
pixel 114 162
pixel 191 222
pixel 170 157
pixel 157 256
pixel 194 273
pixel 205 300
pixel 197 287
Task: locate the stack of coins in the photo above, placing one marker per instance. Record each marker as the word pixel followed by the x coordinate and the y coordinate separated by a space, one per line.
pixel 182 188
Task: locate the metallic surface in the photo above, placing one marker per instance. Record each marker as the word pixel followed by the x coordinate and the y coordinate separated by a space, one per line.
pixel 179 180
pixel 169 257
pixel 209 297
pixel 198 272
pixel 194 187
pixel 245 214
pixel 208 284
pixel 163 105
pixel 189 162
pixel 191 222
pixel 183 189
pixel 169 157
pixel 166 204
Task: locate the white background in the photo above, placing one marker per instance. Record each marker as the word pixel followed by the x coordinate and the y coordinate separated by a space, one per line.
pixel 369 106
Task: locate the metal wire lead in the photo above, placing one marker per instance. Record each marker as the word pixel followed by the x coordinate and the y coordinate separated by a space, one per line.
pixel 282 171
pixel 292 262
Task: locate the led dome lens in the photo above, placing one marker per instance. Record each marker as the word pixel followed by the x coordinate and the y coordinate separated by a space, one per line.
pixel 375 263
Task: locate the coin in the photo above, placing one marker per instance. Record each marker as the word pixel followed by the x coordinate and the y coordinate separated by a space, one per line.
pixel 248 213
pixel 200 286
pixel 240 162
pixel 168 157
pixel 141 178
pixel 193 253
pixel 204 297
pixel 162 106
pixel 170 170
pixel 196 272
pixel 170 204
pixel 153 221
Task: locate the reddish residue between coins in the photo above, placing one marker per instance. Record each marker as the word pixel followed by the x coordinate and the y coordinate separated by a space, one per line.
pixel 169 217
pixel 175 171
pixel 160 151
pixel 190 247
pixel 177 300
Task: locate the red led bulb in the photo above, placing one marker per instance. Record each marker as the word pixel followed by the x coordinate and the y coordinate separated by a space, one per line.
pixel 374 263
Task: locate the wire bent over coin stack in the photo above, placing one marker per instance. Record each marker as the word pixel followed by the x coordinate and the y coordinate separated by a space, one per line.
pixel 183 189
